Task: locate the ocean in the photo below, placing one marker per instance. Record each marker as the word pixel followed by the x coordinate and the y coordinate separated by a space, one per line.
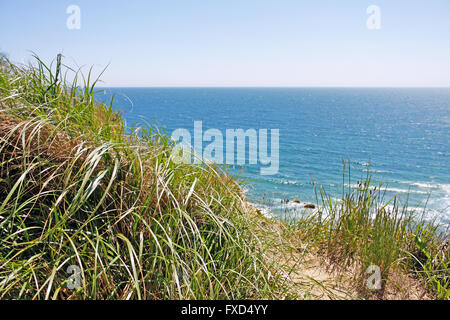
pixel 402 134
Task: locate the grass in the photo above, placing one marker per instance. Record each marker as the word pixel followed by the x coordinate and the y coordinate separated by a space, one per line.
pixel 363 230
pixel 79 192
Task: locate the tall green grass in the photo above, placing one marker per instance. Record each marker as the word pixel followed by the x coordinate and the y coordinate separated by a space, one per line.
pixel 76 189
pixel 364 229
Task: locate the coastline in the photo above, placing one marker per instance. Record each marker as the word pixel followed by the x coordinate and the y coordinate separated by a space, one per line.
pixel 334 123
pixel 78 189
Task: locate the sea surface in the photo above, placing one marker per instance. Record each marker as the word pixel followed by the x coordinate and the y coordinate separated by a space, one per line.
pixel 403 134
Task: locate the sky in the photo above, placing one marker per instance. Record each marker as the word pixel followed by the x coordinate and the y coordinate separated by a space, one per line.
pixel 272 43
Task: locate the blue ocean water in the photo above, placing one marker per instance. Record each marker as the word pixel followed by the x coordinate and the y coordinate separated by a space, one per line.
pixel 404 133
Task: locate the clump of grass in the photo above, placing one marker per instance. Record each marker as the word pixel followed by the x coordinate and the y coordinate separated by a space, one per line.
pixel 362 229
pixel 78 192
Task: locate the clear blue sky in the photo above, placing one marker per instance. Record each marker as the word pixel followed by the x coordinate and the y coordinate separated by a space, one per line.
pixel 238 42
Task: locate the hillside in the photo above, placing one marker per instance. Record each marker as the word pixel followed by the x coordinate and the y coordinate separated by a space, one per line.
pixel 92 210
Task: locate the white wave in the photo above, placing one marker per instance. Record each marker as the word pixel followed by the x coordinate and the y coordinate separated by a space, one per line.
pixel 288 182
pixel 265 210
pixel 423 185
pixel 428 185
pixel 445 188
pixel 389 189
pixel 362 163
pixel 399 190
pixel 380 171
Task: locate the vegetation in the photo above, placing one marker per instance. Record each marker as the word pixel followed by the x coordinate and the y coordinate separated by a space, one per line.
pixel 76 189
pixel 362 229
pixel 80 192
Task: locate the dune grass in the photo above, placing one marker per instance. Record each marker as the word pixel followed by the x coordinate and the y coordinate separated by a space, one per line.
pixel 79 192
pixel 363 230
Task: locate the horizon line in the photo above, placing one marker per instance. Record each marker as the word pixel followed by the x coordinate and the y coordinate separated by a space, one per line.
pixel 287 87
